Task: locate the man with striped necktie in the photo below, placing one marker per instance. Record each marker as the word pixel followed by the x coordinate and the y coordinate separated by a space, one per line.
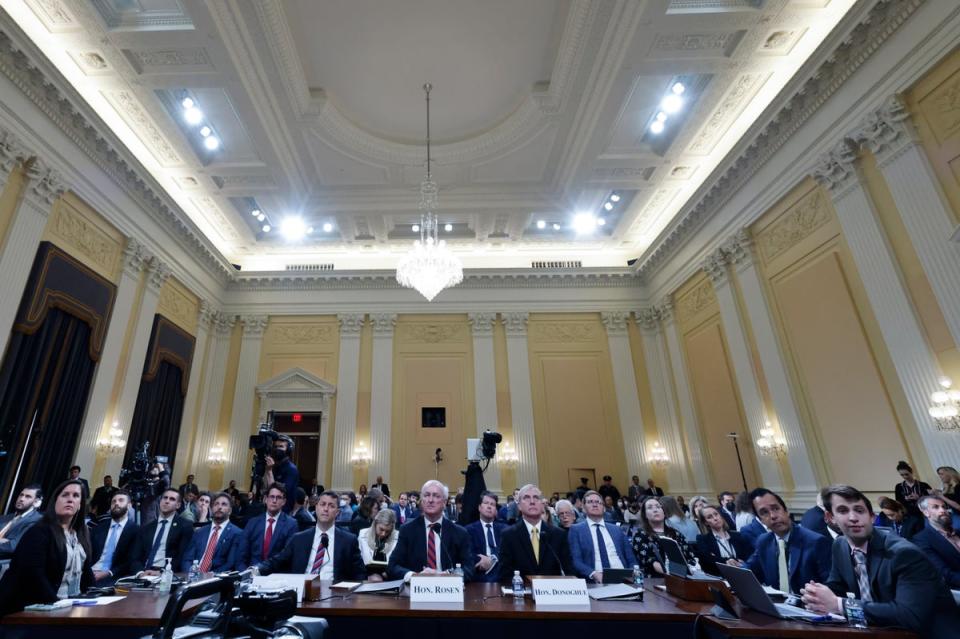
pixel 325 551
pixel 217 546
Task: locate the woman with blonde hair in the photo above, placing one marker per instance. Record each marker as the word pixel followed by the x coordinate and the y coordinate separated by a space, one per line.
pixel 950 493
pixel 378 541
pixel 696 505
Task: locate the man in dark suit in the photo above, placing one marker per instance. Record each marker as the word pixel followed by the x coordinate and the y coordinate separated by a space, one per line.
pixel 113 543
pixel 431 543
pixel 788 556
pixel 382 487
pixel 938 540
pixel 727 502
pixel 26 512
pixel 404 509
pixel 530 546
pixel 815 518
pixel 265 535
pixel 217 545
pixel 896 583
pixel 753 531
pixel 485 535
pixel 100 502
pixel 652 489
pixel 596 545
pixel 167 537
pixel 75 475
pixel 635 491
pixel 188 486
pixel 326 551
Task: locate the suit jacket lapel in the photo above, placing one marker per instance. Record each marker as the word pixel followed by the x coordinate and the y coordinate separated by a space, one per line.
pixel 876 555
pixel 528 546
pixel 795 551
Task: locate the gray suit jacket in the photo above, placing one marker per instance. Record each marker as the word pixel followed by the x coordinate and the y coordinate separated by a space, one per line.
pixel 9 543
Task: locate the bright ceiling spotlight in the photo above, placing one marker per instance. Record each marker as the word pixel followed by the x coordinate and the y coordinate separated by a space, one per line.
pixel 656 127
pixel 601 221
pixel 415 228
pixel 193 115
pixel 260 216
pixel 661 117
pixel 614 197
pixel 678 88
pixel 206 131
pixel 186 103
pixel 256 213
pixel 584 223
pixel 212 143
pixel 266 228
pixel 608 206
pixel 541 224
pixel 556 227
pixel 293 228
pixel 309 230
pixel 672 103
pixel 448 227
pixel 327 227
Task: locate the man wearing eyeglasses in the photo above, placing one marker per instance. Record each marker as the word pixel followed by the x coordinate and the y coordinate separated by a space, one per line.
pixel 265 535
pixel 596 545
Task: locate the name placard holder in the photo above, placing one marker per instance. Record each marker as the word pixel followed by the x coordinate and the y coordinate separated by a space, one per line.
pixel 436 589
pixel 559 591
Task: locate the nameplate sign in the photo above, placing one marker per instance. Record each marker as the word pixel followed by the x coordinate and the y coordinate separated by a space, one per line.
pixel 560 592
pixel 436 588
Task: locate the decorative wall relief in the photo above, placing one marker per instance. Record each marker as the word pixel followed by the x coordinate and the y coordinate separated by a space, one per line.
pixel 73 231
pixel 433 333
pixel 178 307
pixel 563 331
pixel 303 333
pixel 805 217
pixel 695 300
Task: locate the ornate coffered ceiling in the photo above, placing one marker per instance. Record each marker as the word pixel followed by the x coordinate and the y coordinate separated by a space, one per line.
pixel 541 110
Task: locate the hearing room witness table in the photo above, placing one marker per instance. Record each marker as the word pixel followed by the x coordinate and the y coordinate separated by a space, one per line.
pixel 483 612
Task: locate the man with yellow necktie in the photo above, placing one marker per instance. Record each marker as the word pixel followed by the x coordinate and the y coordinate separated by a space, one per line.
pixel 530 545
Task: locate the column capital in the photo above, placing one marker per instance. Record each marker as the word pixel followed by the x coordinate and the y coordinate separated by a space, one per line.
pixel 515 323
pixel 207 314
pixel 383 323
pixel 888 130
pixel 739 248
pixel 135 258
pixel 615 321
pixel 46 185
pixel 836 169
pixel 665 310
pixel 482 323
pixel 12 151
pixel 223 323
pixel 254 325
pixel 350 324
pixel 648 318
pixel 157 274
pixel 715 266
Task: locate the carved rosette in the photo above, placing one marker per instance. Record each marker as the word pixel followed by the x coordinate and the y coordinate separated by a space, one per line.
pixel 482 323
pixel 739 249
pixel 350 324
pixel 383 324
pixel 254 325
pixel 715 266
pixel 515 323
pixel 615 321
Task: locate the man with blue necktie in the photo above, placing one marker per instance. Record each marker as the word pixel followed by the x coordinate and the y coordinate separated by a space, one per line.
pixel 596 545
pixel 265 535
pixel 113 543
pixel 167 537
pixel 485 539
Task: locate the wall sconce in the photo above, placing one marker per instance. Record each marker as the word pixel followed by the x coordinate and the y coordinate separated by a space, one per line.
pixel 114 444
pixel 771 445
pixel 361 456
pixel 216 458
pixel 946 406
pixel 658 455
pixel 507 456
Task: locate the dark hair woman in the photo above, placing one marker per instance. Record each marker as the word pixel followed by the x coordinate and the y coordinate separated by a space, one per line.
pixel 653 526
pixel 53 559
pixel 910 490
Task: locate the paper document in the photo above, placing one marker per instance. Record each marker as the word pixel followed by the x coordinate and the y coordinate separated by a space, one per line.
pixel 281 581
pixel 99 601
pixel 383 587
pixel 770 590
pixel 614 591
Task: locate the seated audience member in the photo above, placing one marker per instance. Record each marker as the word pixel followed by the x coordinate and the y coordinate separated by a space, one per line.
pixel 26 512
pixel 728 508
pixel 431 543
pixel 652 490
pixel 743 517
pixel 814 518
pixel 683 505
pixel 720 544
pixel 950 493
pixel 305 521
pixel 202 517
pixel 597 544
pixel 377 543
pixel 485 535
pixel 114 542
pixel 100 502
pixel 218 545
pixel 167 537
pixel 788 556
pixel 381 486
pixel 634 490
pixel 188 486
pixel 696 506
pixel 54 560
pixel 189 510
pixel 530 546
pixel 895 582
pixel 566 514
pixel 677 520
pixel 363 518
pixel 233 491
pixel 345 514
pixel 631 516
pixel 611 513
pixel 580 490
pixel 652 527
pixel 607 489
pixel 404 509
pixel 938 540
pixel 75 474
pixel 326 551
pixel 910 490
pixel 265 535
pixel 893 516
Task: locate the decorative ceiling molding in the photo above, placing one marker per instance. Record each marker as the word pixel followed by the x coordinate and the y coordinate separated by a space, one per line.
pixel 825 73
pixel 30 71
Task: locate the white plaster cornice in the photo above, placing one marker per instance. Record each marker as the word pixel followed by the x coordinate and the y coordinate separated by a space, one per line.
pixel 482 323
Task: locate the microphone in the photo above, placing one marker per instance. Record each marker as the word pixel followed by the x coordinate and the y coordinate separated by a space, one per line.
pixel 438 455
pixel 436 528
pixel 543 542
pixel 325 540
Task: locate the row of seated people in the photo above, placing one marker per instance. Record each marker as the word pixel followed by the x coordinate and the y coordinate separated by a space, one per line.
pixel 895 579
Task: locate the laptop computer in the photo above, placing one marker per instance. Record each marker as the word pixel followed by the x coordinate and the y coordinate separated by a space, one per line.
pixel 749 591
pixel 676 564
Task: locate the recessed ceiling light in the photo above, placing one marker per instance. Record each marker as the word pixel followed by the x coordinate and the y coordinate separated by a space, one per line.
pixel 656 127
pixel 415 228
pixel 448 227
pixel 661 117
pixel 601 221
pixel 186 103
pixel 205 131
pixel 556 227
pixel 309 230
pixel 193 115
pixel 672 103
pixel 293 228
pixel 212 143
pixel 266 228
pixel 261 216
pixel 614 197
pixel 541 224
pixel 608 206
pixel 256 213
pixel 327 227
pixel 678 88
pixel 584 223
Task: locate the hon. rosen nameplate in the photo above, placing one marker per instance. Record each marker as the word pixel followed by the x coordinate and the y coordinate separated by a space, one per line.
pixel 562 591
pixel 436 588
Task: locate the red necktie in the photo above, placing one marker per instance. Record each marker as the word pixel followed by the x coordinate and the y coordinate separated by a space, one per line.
pixel 432 548
pixel 211 546
pixel 267 537
pixel 321 554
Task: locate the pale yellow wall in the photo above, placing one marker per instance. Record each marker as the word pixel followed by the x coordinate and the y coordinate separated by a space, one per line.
pixel 574 405
pixel 433 366
pixel 179 305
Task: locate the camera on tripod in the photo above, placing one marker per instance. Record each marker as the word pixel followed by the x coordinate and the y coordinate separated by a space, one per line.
pixel 136 478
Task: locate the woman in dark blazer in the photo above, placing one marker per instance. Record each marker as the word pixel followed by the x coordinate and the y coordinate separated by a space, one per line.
pixel 720 544
pixel 53 558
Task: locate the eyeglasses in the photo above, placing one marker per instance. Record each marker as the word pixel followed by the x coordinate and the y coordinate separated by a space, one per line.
pixel 593 501
pixel 275 497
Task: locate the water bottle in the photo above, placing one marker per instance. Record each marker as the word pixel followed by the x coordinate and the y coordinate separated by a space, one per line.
pixel 194 574
pixel 517 587
pixel 853 609
pixel 166 579
pixel 458 571
pixel 637 577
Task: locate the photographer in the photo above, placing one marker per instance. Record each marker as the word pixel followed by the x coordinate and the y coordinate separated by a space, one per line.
pixel 281 469
pixel 145 480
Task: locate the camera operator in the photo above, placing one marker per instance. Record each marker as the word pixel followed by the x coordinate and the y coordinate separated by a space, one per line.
pixel 281 469
pixel 158 480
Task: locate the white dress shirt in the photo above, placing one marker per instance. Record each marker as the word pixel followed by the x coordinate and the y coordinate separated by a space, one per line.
pixel 160 559
pixel 612 555
pixel 326 570
pixel 426 526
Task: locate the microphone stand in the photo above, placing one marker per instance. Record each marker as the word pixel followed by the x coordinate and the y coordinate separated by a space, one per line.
pixel 743 475
pixel 437 458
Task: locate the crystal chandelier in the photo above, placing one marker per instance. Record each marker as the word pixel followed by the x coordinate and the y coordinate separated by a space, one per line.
pixel 946 406
pixel 429 267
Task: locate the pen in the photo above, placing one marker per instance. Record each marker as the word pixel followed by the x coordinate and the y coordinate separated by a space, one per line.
pixel 84 602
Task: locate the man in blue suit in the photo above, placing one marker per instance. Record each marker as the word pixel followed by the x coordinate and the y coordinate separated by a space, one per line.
pixel 595 544
pixel 325 551
pixel 404 509
pixel 753 531
pixel 265 535
pixel 217 546
pixel 485 539
pixel 788 556
pixel 938 540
